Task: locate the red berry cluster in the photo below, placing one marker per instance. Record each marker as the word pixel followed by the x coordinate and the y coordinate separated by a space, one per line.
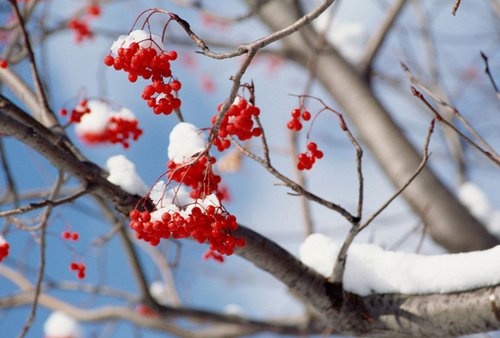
pixel 237 122
pixel 70 235
pixel 294 123
pixel 119 130
pixel 80 267
pixel 211 225
pixel 149 64
pixel 4 250
pixel 307 159
pixel 3 63
pixel 198 175
pixel 77 112
pixel 80 25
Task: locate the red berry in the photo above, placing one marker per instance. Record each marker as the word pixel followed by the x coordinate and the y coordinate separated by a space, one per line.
pixel 296 113
pixel 75 236
pixel 175 85
pixel 306 115
pixel 3 64
pixel 311 146
pixel 109 60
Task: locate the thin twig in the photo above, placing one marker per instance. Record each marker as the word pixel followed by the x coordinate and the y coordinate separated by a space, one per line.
pixel 48 115
pixel 490 76
pixel 339 268
pixel 455 7
pixel 453 109
pixel 295 186
pixel 38 287
pixel 11 184
pixel 490 153
pixel 38 205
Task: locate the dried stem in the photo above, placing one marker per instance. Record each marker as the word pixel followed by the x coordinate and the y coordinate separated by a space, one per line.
pixel 489 153
pixel 41 271
pixel 48 115
pixel 38 205
pixel 339 268
pixel 490 76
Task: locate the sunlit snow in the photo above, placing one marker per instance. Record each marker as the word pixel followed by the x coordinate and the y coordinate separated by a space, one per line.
pixel 370 269
pixel 122 173
pixel 60 325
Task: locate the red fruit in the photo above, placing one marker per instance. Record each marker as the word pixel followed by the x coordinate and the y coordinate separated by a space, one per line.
pixel 296 113
pixel 175 85
pixel 109 60
pixel 66 235
pixel 75 236
pixel 311 146
pixel 306 115
pixel 3 64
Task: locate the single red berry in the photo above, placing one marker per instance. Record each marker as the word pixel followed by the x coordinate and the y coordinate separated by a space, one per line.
pixel 306 115
pixel 175 85
pixel 109 60
pixel 66 235
pixel 75 236
pixel 311 146
pixel 4 64
pixel 296 113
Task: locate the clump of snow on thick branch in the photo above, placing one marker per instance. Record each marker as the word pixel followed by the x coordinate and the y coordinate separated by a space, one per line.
pixel 159 292
pixel 60 325
pixel 470 195
pixel 370 269
pixel 122 173
pixel 348 37
pixel 185 142
pixel 143 38
pixel 2 240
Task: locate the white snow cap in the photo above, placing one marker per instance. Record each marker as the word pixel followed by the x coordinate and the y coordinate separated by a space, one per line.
pixel 234 310
pixel 143 38
pixel 159 292
pixel 2 240
pixel 122 173
pixel 185 141
pixel 60 325
pixel 96 121
pixel 162 197
pixel 474 199
pixel 349 37
pixel 370 269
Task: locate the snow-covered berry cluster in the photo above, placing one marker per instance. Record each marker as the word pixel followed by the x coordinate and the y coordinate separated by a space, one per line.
pixel 237 122
pixel 4 248
pixel 81 25
pixel 103 125
pixel 307 159
pixel 72 236
pixel 197 214
pixel 76 113
pixel 79 267
pixel 294 123
pixel 141 54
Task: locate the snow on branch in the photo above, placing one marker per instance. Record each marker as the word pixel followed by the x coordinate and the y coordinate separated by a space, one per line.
pixel 371 269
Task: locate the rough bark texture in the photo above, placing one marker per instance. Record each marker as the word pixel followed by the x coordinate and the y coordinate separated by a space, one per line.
pixel 449 223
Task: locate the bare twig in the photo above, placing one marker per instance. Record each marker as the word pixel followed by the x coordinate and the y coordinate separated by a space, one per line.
pixel 455 7
pixel 490 153
pixel 339 268
pixel 38 205
pixel 295 186
pixel 490 76
pixel 453 109
pixel 48 115
pixel 41 271
pixel 11 184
